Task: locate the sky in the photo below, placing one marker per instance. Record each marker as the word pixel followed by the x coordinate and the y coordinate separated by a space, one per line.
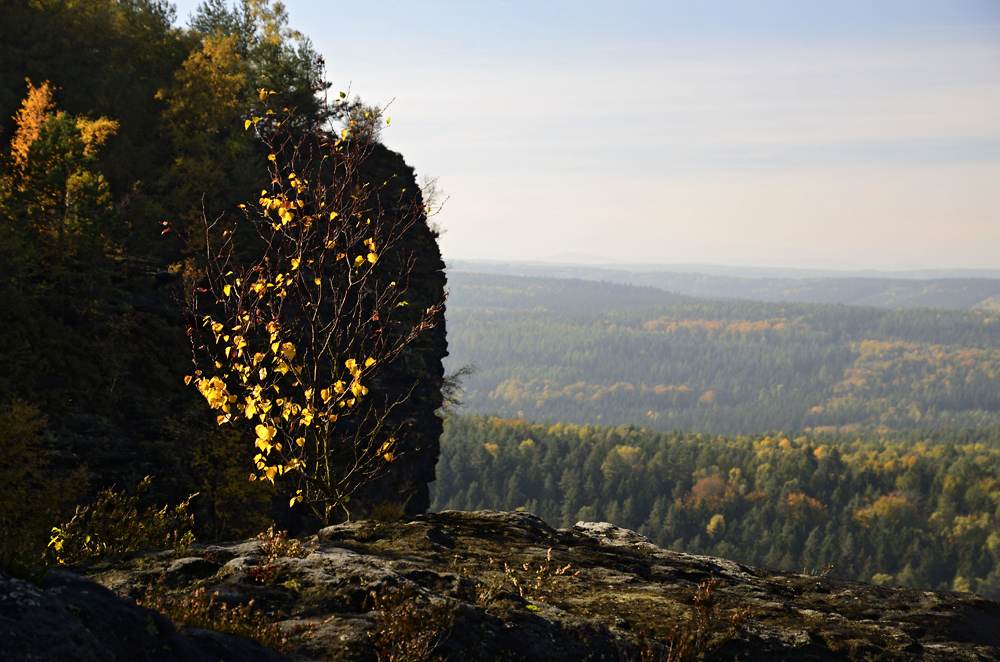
pixel 770 133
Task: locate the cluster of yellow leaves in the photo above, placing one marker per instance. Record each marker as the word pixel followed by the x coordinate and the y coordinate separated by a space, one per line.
pixel 36 106
pixel 258 377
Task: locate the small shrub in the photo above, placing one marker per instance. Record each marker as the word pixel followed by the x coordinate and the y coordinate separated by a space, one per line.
pixel 276 545
pixel 705 632
pixel 207 611
pixel 408 630
pixel 822 572
pixel 386 512
pixel 113 524
pixel 530 581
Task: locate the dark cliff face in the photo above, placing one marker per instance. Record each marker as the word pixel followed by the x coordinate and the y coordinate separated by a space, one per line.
pixel 505 586
pixel 415 377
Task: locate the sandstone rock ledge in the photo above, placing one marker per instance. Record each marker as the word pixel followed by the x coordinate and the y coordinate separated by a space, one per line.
pixel 512 598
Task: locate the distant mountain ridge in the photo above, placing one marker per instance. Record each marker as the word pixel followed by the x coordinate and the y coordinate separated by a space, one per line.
pixel 932 288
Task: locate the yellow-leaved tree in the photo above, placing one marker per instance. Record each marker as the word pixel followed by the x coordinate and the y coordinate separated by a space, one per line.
pixel 303 308
pixel 201 117
pixel 52 189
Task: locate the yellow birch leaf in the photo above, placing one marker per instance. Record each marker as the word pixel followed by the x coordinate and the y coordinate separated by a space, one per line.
pixel 246 124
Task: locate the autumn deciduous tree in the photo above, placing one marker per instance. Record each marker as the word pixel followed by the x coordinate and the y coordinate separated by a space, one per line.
pixel 202 112
pixel 52 189
pixel 304 309
pixel 274 55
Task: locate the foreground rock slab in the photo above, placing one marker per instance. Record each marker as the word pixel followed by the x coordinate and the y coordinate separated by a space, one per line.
pixel 67 618
pixel 505 586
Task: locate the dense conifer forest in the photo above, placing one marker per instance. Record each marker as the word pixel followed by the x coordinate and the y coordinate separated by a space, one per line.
pixel 915 508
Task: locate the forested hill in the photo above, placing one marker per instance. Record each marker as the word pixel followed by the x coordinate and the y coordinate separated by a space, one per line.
pixel 600 353
pixel 932 288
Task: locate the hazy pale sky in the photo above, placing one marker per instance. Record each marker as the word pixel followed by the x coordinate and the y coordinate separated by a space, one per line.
pixel 744 132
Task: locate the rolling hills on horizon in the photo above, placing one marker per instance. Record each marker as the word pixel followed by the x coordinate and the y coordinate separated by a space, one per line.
pixel 933 288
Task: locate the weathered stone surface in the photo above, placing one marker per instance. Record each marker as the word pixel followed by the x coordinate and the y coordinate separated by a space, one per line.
pixel 616 587
pixel 69 618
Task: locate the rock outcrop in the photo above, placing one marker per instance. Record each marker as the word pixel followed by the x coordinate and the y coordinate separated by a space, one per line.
pixel 415 378
pixel 71 619
pixel 504 586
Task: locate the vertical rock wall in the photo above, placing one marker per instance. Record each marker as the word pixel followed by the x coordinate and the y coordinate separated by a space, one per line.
pixel 419 370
